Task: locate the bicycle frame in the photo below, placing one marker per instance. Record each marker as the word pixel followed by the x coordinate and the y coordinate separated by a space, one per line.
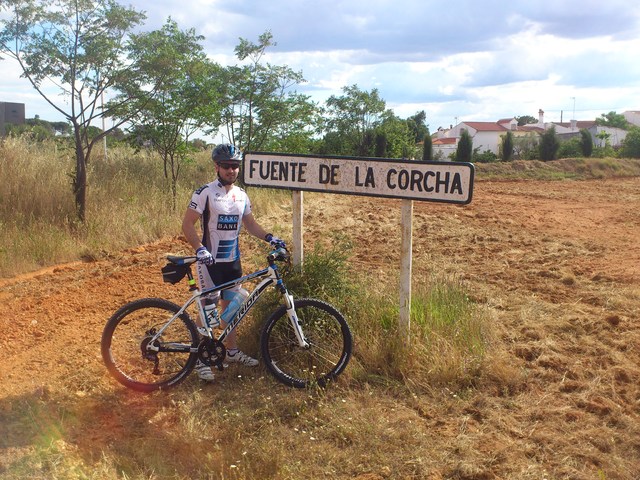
pixel 270 276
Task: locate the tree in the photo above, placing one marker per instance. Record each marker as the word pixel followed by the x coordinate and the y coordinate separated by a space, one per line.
pixel 549 145
pixel 295 129
pixel 186 97
pixel 526 120
pixel 631 144
pixel 506 147
pixel 612 119
pixel 352 117
pixel 257 100
pixel 526 147
pixel 400 141
pixel 604 137
pixel 381 145
pixel 586 142
pixel 464 152
pixel 78 47
pixel 427 147
pixel 418 126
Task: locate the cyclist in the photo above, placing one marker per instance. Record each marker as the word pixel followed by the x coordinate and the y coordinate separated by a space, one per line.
pixel 222 207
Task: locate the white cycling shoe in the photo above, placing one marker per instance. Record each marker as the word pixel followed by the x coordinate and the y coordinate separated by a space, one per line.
pixel 238 356
pixel 204 372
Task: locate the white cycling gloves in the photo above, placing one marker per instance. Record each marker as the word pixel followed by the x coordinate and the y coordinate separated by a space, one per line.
pixel 275 242
pixel 204 256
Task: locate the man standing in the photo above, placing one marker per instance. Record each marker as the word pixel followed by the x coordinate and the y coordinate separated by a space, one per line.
pixel 222 208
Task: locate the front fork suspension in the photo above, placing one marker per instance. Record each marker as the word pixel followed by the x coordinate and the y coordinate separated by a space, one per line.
pixel 293 318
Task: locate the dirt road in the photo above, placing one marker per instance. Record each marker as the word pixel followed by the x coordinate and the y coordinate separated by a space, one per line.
pixel 557 263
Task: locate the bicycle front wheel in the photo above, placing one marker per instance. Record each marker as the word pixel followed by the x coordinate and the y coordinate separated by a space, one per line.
pixel 138 361
pixel 329 338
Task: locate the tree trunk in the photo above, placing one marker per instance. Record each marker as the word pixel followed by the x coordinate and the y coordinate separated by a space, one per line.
pixel 80 180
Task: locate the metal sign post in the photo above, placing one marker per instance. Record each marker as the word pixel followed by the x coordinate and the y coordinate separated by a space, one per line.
pixel 448 182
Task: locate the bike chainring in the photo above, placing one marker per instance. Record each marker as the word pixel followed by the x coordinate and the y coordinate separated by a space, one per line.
pixel 212 352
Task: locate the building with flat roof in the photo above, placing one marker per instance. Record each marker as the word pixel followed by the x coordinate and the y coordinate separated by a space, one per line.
pixel 10 113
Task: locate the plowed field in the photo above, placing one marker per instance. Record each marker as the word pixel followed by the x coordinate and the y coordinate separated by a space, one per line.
pixel 556 262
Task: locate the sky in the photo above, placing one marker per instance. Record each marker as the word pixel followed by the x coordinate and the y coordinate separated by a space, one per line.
pixel 469 60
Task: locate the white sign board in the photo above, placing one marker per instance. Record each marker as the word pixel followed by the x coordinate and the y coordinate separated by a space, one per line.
pixel 450 182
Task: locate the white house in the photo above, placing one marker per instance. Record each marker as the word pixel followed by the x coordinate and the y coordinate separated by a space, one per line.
pixel 488 135
pixel 633 117
pixel 485 135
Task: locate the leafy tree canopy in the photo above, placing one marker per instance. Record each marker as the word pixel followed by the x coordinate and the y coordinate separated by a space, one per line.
pixel 612 119
pixel 418 126
pixel 353 117
pixel 257 97
pixel 186 94
pixel 526 120
pixel 78 47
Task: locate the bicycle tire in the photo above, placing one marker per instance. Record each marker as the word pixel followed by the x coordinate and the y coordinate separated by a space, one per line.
pixel 330 344
pixel 122 345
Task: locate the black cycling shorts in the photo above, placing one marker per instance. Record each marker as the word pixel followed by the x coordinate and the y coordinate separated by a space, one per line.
pixel 224 272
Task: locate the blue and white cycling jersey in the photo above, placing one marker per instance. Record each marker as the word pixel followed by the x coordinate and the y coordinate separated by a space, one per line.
pixel 222 214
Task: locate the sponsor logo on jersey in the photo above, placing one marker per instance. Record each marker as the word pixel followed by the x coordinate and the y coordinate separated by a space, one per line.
pixel 228 222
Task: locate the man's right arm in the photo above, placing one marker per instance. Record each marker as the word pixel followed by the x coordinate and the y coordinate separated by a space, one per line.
pixel 189 221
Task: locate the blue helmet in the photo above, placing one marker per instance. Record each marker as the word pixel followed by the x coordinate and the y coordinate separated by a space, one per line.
pixel 225 152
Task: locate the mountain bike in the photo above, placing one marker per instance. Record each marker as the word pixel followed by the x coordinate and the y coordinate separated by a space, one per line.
pixel 153 344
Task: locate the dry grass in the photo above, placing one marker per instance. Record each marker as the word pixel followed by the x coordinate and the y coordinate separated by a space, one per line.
pixel 492 385
pixel 127 204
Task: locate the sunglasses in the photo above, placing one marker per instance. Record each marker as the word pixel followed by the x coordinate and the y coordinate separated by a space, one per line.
pixel 229 166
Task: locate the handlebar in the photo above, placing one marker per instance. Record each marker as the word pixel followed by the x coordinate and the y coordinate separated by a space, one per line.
pixel 278 255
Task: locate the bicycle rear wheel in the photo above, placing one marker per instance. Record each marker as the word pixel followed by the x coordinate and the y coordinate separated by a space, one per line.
pixel 330 344
pixel 126 338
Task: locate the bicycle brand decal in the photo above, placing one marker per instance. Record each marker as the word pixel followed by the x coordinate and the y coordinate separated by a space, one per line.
pixel 246 306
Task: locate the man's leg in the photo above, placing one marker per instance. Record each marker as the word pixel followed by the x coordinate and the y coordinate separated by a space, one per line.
pixel 226 273
pixel 204 281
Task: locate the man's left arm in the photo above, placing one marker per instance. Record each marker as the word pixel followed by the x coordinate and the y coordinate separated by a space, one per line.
pixel 253 227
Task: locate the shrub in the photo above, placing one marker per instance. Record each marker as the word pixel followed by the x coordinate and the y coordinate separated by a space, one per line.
pixel 427 148
pixel 549 145
pixel 506 147
pixel 485 157
pixel 631 144
pixel 586 142
pixel 571 148
pixel 464 151
pixel 526 147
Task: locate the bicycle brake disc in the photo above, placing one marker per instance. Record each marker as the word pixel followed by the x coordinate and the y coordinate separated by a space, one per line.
pixel 212 352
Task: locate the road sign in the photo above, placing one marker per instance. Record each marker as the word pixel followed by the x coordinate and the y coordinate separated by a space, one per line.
pixel 449 182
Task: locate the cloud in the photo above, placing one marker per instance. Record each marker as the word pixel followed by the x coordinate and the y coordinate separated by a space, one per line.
pixel 479 60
